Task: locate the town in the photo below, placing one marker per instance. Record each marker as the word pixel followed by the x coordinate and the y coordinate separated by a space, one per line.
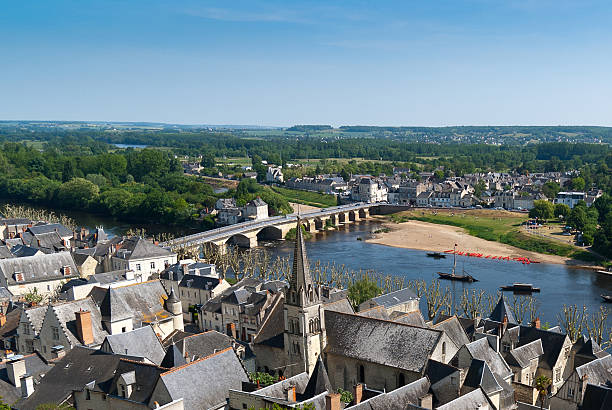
pixel 95 321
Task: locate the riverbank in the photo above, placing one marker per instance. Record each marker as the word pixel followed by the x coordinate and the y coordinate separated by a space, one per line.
pixel 428 236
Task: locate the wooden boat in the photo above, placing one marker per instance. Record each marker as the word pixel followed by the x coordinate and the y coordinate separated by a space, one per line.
pixel 607 298
pixel 461 278
pixel 436 255
pixel 453 276
pixel 520 288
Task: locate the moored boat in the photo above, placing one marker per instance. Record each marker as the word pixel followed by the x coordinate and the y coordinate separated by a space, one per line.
pixel 436 255
pixel 520 288
pixel 607 298
pixel 453 276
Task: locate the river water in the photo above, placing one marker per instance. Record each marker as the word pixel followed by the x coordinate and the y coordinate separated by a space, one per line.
pixel 559 284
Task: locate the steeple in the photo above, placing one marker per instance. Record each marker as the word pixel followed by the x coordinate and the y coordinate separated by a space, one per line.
pixel 302 289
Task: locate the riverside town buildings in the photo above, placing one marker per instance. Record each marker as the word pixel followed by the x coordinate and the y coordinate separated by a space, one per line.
pixel 190 340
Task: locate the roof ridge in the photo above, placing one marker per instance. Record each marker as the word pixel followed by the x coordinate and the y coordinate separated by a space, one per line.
pixel 389 321
pixel 197 361
pixel 138 283
pixel 142 363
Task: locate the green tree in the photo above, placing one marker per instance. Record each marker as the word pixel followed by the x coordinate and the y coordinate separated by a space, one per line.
pixel 362 290
pixel 578 218
pixel 562 210
pixel 542 383
pixel 578 184
pixel 542 209
pixel 551 189
pixel 480 187
pixel 77 193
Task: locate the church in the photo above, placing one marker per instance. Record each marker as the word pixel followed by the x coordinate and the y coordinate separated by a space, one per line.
pixel 313 321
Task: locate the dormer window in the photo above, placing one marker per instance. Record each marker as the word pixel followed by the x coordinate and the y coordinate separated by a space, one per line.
pixel 66 270
pixel 18 276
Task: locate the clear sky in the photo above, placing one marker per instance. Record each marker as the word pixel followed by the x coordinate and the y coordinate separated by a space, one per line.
pixel 428 62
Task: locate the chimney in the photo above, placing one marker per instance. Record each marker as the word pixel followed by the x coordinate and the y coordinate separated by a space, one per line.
pixel 291 394
pixel 15 369
pixel 357 393
pixel 27 385
pixel 185 268
pixel 536 323
pixel 231 330
pixel 332 401
pixel 84 327
pixel 2 319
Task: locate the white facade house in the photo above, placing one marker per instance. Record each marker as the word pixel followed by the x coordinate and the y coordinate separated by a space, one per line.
pixel 255 210
pixel 142 257
pixel 275 174
pixel 570 198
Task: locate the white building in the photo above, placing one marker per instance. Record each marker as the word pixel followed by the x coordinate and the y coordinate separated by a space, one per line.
pixel 570 198
pixel 255 210
pixel 142 257
pixel 275 174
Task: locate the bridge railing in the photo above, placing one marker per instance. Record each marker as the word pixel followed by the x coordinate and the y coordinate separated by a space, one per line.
pixel 271 221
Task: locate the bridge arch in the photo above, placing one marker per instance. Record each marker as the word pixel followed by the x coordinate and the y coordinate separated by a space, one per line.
pixel 342 218
pixel 362 213
pixel 319 224
pixel 352 214
pixel 270 233
pixel 240 240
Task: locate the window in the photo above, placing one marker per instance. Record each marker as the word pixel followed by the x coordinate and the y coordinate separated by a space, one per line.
pixel 55 331
pixel 570 392
pixel 401 380
pixel 557 375
pixel 506 347
pixel 138 266
pixel 152 265
pixel 123 329
pixel 361 374
pixel 87 394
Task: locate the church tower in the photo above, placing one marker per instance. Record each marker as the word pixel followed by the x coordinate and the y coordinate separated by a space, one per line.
pixel 304 318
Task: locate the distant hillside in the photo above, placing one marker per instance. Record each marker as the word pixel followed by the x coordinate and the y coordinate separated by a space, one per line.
pixel 309 128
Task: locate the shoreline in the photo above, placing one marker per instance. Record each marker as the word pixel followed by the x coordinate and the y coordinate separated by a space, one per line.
pixel 427 236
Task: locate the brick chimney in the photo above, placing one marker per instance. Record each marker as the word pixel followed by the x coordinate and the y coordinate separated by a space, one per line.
pixel 84 327
pixel 357 393
pixel 536 323
pixel 231 330
pixel 332 401
pixel 291 394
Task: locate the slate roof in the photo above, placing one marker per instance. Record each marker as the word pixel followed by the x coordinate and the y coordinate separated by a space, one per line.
pixel 173 358
pixel 12 323
pixel 36 315
pixel 502 309
pixel 405 397
pixel 38 268
pixel 144 376
pixel 20 251
pixel 480 349
pixel 453 329
pixel 65 313
pixel 106 278
pixel 389 300
pixel 50 228
pixel 218 373
pixel 271 330
pixel 278 389
pixel 143 302
pixel 137 248
pixel 257 202
pixel 522 356
pixel 437 371
pixel 203 344
pixel 80 258
pixel 342 306
pixel 378 312
pixel 141 342
pixel 5 252
pixel 552 343
pixel 174 337
pixel 379 341
pixel 598 371
pixel 35 366
pixel 597 398
pixel 199 282
pixel 80 366
pixel 479 375
pixel 319 381
pixel 590 348
pixel 410 318
pixel 470 401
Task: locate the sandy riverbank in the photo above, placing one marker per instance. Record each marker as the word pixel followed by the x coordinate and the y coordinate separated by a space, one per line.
pixel 435 237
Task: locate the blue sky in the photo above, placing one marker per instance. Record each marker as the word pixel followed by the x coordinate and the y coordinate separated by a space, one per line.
pixel 447 62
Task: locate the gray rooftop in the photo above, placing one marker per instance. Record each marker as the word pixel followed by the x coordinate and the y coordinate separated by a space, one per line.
pixel 473 400
pixel 598 371
pixel 480 349
pixel 37 268
pixel 379 341
pixel 141 342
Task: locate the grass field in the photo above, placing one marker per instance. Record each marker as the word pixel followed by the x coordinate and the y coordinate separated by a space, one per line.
pixel 499 226
pixel 241 161
pixel 306 197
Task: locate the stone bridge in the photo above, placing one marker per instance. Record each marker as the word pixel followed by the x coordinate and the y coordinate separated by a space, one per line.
pixel 247 234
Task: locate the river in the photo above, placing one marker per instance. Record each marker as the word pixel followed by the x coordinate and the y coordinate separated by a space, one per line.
pixel 559 284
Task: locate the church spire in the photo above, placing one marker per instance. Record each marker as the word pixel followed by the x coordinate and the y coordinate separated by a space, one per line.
pixel 301 286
